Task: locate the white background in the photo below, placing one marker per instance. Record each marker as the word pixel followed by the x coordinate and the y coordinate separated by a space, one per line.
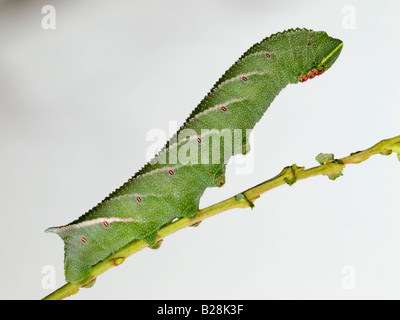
pixel 77 102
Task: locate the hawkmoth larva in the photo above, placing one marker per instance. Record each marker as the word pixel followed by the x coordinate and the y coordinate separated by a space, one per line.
pixel 170 186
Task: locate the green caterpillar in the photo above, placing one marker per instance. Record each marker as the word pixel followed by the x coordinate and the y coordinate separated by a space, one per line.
pixel 170 186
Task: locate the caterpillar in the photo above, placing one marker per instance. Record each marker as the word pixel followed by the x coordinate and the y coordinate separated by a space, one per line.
pixel 170 186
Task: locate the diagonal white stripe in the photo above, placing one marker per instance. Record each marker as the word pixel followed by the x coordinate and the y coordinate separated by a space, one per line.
pixel 89 223
pixel 213 108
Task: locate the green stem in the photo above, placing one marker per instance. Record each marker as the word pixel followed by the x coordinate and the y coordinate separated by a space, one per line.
pixel 289 175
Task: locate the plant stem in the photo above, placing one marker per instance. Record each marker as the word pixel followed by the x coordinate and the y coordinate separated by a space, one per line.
pixel 289 175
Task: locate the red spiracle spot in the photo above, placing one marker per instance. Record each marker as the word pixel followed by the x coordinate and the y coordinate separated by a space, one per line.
pixel 309 42
pixel 268 55
pixel 106 224
pixel 198 140
pixel 244 78
pixel 83 240
pixel 171 172
pixel 223 109
pixel 139 199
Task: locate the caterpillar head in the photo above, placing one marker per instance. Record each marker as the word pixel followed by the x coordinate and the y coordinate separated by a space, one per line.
pixel 328 53
pixel 325 57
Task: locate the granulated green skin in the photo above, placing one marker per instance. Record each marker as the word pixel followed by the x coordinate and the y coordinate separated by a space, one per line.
pixel 162 192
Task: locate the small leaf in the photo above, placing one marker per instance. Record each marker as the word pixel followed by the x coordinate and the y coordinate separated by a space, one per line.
pixel 90 284
pixel 396 148
pixel 241 197
pixel 324 158
pixel 157 245
pixel 334 176
pixel 293 169
pixel 291 181
pixel 118 261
